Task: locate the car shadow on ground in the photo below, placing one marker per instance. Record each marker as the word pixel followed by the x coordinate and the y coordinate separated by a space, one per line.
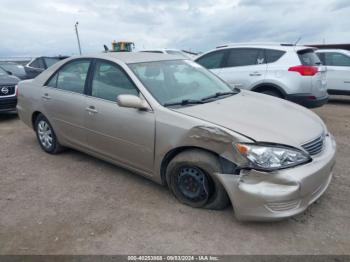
pixel 344 100
pixel 8 116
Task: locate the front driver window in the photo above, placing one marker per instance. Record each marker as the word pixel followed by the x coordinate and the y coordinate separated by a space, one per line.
pixel 337 59
pixel 212 60
pixel 110 81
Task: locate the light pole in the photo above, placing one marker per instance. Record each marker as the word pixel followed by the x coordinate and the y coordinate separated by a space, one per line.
pixel 76 31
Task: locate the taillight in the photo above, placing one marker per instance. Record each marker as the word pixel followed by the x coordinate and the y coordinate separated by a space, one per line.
pixel 304 70
pixel 16 88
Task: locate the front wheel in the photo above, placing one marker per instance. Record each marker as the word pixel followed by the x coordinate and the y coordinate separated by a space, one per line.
pixel 190 178
pixel 46 135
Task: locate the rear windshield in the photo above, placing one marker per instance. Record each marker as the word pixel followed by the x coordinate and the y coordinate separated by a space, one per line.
pixel 308 57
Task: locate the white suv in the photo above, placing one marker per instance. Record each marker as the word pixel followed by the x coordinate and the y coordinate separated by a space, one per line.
pixel 338 70
pixel 287 71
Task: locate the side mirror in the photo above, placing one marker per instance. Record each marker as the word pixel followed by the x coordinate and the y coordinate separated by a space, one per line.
pixel 9 72
pixel 132 101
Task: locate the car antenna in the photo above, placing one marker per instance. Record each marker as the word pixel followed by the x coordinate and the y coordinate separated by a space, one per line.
pixel 299 38
pixel 106 48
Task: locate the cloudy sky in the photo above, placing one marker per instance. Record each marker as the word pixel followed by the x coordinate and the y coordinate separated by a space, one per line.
pixel 46 27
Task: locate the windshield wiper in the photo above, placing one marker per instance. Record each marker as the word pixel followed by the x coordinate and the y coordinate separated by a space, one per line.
pixel 218 94
pixel 184 102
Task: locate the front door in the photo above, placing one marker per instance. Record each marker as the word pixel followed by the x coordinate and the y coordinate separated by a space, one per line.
pixel 125 135
pixel 338 71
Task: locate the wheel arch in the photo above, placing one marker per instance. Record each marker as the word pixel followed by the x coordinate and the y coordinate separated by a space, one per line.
pixel 226 165
pixel 34 117
pixel 269 86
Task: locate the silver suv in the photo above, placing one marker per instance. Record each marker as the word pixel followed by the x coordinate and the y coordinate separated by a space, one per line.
pixel 287 71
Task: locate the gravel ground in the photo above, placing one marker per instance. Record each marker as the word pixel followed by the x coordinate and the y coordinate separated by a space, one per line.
pixel 75 204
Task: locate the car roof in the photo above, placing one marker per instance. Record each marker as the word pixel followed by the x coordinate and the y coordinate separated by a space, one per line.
pixel 134 57
pixel 333 50
pixel 285 47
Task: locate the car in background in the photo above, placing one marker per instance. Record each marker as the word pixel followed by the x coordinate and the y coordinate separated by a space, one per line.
pixel 171 52
pixel 338 70
pixel 8 97
pixel 172 121
pixel 39 64
pixel 286 71
pixel 14 69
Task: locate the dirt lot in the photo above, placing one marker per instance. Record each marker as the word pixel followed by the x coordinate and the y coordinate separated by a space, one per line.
pixel 75 204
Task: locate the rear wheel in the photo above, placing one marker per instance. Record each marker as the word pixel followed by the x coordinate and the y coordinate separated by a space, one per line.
pixel 190 177
pixel 272 93
pixel 46 135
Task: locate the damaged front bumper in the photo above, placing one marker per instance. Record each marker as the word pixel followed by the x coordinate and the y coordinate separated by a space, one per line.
pixel 257 195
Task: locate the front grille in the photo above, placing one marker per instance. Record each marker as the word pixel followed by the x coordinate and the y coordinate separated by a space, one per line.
pixel 315 146
pixel 8 103
pixel 7 90
pixel 283 206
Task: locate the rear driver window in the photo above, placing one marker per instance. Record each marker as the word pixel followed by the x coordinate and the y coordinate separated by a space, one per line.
pixel 245 57
pixel 273 55
pixel 71 77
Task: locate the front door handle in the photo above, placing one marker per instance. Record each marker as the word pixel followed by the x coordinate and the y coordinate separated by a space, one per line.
pixel 91 110
pixel 255 74
pixel 46 96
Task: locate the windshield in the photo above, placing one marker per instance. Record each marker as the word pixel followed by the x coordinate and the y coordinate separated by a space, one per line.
pixel 17 69
pixel 308 57
pixel 50 61
pixel 178 80
pixel 3 72
pixel 174 52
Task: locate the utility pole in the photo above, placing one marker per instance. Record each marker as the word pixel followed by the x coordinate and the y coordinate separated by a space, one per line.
pixel 76 31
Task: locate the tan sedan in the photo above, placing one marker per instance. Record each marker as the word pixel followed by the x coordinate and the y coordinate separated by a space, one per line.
pixel 171 120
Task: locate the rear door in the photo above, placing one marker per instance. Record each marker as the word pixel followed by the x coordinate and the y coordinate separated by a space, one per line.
pixel 244 67
pixel 338 71
pixel 64 101
pixel 125 135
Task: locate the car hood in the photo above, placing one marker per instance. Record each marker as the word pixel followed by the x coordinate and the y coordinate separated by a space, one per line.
pixel 8 80
pixel 260 117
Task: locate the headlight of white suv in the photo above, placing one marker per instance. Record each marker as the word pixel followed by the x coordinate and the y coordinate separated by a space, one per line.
pixel 271 157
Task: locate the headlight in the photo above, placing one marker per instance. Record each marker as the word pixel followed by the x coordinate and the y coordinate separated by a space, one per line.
pixel 271 157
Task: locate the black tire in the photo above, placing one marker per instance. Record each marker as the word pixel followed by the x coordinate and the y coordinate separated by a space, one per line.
pixel 202 164
pixel 272 93
pixel 52 146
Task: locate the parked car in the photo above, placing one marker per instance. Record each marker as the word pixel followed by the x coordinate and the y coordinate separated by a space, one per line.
pixel 8 98
pixel 39 64
pixel 338 70
pixel 171 120
pixel 286 71
pixel 14 69
pixel 171 52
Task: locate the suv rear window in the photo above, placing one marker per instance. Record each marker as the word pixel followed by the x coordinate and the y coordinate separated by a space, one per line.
pixel 308 57
pixel 273 55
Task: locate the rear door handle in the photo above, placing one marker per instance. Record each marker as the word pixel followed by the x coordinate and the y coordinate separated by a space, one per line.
pixel 91 110
pixel 46 96
pixel 255 74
